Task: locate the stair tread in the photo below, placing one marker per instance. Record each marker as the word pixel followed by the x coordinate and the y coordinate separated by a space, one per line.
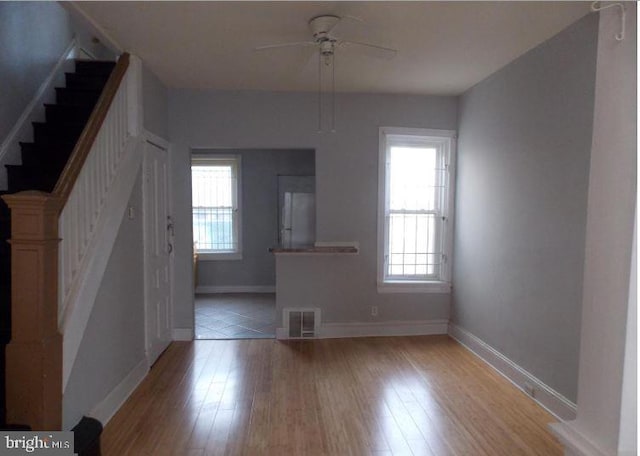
pixel 43 147
pixel 57 125
pixel 99 61
pixel 68 105
pixel 78 89
pixel 27 167
pixel 85 75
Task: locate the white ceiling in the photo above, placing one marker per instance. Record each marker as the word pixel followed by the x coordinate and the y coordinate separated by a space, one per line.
pixel 444 47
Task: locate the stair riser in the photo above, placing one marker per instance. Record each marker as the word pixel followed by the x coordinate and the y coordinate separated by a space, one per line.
pixel 20 179
pixel 33 148
pixel 85 81
pixel 48 155
pixel 96 68
pixel 56 114
pixel 77 97
pixel 55 134
pixel 56 159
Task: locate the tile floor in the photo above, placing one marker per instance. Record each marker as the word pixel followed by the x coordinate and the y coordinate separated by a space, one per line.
pixel 236 316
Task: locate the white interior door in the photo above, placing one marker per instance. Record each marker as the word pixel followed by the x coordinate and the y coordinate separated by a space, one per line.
pixel 158 232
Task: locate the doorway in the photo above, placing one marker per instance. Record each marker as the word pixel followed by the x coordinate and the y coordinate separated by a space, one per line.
pixel 245 202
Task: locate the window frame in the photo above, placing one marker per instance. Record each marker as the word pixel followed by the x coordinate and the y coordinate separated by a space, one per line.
pixel 445 140
pixel 236 161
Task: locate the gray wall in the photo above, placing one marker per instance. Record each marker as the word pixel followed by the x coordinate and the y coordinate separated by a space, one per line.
pixel 260 170
pixel 154 103
pixel 113 343
pixel 346 184
pixel 523 171
pixel 33 35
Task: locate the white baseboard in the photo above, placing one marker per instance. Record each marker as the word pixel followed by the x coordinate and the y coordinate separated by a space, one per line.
pixel 108 407
pixel 574 442
pixel 558 405
pixel 390 328
pixel 182 334
pixel 236 289
pixel 34 111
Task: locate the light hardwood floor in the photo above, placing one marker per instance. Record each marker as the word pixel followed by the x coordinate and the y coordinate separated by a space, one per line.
pixel 423 395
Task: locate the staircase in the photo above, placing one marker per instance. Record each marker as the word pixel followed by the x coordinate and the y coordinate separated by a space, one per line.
pixel 42 163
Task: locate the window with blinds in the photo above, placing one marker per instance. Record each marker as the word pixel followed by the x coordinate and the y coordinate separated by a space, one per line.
pixel 415 200
pixel 215 208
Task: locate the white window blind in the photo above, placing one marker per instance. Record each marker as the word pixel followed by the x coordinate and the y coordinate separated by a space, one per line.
pixel 214 185
pixel 415 208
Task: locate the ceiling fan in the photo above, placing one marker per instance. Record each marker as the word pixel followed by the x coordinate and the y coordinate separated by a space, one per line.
pixel 327 32
pixel 328 36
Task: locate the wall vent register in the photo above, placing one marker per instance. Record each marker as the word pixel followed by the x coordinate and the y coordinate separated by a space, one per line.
pixel 301 323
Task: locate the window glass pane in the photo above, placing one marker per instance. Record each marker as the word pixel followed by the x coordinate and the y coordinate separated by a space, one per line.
pixel 413 247
pixel 213 188
pixel 412 178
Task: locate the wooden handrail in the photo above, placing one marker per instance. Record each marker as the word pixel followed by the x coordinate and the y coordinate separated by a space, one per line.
pixel 83 146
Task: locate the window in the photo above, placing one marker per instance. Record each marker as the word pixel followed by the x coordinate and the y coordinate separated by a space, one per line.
pixel 415 209
pixel 215 183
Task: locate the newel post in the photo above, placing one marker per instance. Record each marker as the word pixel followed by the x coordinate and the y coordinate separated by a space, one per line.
pixel 34 355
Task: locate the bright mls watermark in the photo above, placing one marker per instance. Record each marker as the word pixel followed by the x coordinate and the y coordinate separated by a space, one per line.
pixel 44 443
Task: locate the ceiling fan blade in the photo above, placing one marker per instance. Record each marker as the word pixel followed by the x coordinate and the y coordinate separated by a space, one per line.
pixel 309 67
pixel 284 45
pixel 371 49
pixel 347 26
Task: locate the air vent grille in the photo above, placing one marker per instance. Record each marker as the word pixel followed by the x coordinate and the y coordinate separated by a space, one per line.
pixel 301 323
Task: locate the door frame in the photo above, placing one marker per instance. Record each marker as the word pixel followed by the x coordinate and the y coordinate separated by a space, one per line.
pixel 161 143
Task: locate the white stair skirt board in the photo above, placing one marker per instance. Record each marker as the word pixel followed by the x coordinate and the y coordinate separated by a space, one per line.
pixel 575 443
pixel 555 403
pixel 76 317
pixel 377 329
pixel 235 289
pixel 182 334
pixel 108 407
pixel 23 130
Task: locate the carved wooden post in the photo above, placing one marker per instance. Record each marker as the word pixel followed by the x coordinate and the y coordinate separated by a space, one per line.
pixel 34 355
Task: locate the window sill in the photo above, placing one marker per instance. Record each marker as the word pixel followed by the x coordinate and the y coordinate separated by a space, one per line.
pixel 203 256
pixel 414 287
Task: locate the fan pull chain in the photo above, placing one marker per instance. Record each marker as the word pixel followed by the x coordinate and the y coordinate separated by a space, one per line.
pixel 333 93
pixel 319 92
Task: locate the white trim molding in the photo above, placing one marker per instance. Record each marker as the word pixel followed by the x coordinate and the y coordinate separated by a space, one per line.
pixel 444 142
pixel 558 405
pixel 574 442
pixel 183 334
pixel 108 407
pixel 377 329
pixel 415 287
pixel 204 289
